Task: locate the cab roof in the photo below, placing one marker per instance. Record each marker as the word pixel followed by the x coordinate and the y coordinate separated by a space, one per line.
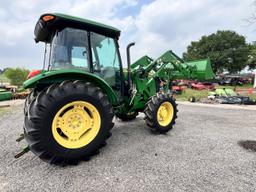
pixel 62 21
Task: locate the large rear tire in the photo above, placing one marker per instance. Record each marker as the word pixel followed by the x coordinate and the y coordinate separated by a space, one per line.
pixel 161 112
pixel 68 122
pixel 28 101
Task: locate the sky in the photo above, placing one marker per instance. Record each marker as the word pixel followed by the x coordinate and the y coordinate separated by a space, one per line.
pixel 155 25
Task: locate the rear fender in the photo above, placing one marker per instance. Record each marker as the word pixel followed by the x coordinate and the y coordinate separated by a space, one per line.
pixel 49 77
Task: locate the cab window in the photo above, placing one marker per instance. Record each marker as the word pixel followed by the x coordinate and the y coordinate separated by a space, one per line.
pixel 105 59
pixel 69 50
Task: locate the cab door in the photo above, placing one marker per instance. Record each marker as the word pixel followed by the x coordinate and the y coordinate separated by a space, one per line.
pixel 106 60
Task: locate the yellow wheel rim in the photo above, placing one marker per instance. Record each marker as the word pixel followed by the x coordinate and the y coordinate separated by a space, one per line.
pixel 76 124
pixel 165 113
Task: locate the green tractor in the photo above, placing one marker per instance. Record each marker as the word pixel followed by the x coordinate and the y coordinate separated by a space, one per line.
pixel 69 112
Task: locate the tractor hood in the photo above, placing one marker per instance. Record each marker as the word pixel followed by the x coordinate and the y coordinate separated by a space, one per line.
pixel 51 22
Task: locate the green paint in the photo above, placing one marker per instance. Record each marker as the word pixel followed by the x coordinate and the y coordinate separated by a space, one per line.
pixel 149 76
pixel 57 76
pixel 85 21
pixel 5 95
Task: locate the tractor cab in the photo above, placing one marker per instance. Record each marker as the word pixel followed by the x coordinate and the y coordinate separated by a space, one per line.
pixel 80 44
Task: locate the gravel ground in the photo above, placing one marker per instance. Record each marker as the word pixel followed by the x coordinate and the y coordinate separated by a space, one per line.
pixel 201 153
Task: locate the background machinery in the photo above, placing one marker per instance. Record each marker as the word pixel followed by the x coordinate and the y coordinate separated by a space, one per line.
pixel 69 112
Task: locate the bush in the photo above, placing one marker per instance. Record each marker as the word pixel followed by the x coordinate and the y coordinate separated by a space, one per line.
pixel 16 75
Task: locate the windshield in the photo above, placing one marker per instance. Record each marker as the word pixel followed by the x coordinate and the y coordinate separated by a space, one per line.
pixel 69 50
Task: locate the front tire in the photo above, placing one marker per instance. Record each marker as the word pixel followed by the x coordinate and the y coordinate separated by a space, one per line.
pixel 161 112
pixel 68 122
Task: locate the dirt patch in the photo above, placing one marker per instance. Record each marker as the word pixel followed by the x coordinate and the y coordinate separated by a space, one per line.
pixel 4 106
pixel 11 103
pixel 248 145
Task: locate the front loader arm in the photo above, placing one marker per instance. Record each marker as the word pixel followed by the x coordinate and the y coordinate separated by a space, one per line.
pixel 169 63
pixel 150 76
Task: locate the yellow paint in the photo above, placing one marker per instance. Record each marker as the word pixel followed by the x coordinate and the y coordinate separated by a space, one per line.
pixel 165 113
pixel 74 127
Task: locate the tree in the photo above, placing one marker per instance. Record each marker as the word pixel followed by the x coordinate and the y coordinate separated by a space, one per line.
pixel 227 50
pixel 252 56
pixel 16 75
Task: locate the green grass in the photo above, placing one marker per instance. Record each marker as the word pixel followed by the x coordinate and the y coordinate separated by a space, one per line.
pixel 253 97
pixel 246 86
pixel 4 79
pixel 187 93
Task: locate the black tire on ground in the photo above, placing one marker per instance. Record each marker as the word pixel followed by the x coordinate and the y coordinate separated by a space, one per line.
pixel 29 99
pixel 151 112
pixel 42 110
pixel 127 117
pixel 192 99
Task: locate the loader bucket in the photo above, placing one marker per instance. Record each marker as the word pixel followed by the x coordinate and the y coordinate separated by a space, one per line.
pixel 203 69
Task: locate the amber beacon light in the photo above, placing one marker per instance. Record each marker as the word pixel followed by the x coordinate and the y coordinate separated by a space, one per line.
pixel 48 18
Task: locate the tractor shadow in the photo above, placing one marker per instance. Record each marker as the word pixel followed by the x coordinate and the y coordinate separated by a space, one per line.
pixel 135 127
pixel 248 145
